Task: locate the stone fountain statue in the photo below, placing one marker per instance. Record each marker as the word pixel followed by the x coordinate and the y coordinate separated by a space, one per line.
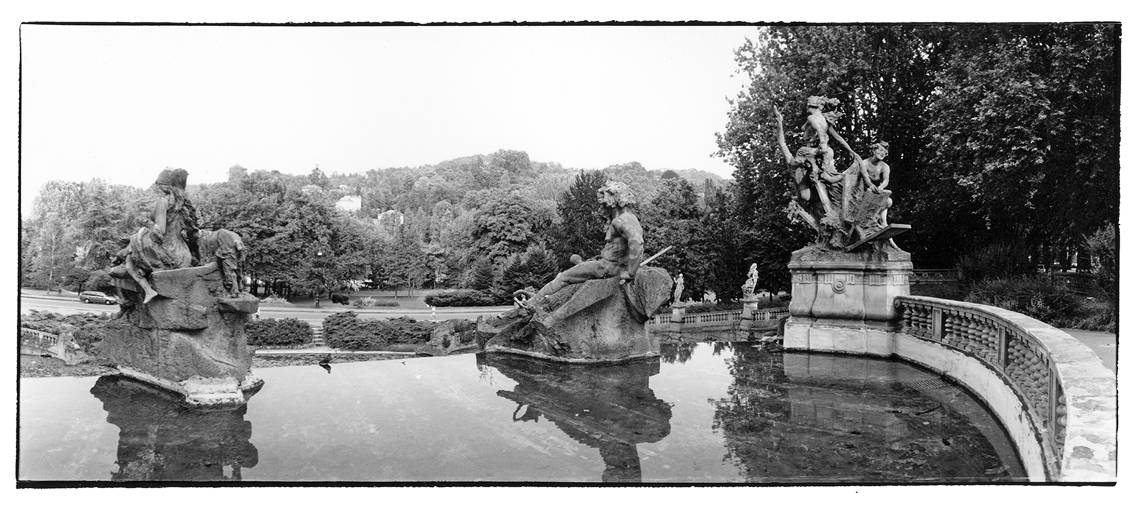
pixel 847 209
pixel 749 287
pixel 594 311
pixel 850 276
pixel 184 308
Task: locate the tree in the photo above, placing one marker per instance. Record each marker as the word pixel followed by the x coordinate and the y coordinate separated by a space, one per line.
pixel 318 177
pixel 670 218
pixel 480 275
pixel 532 269
pixel 508 224
pixel 582 226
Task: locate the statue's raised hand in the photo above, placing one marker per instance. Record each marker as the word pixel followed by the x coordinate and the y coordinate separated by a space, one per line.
pixel 779 117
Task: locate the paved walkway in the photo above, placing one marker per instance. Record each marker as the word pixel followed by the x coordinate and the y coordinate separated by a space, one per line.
pixel 1102 343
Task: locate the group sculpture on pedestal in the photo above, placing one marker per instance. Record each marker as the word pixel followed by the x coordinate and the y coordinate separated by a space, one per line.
pixel 184 305
pixel 847 209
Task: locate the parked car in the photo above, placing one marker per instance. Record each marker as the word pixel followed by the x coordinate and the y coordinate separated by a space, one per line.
pixel 97 298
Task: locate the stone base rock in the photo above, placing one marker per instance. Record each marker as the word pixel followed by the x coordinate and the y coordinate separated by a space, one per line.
pixel 595 321
pixel 451 336
pixel 857 285
pixel 203 392
pixel 188 340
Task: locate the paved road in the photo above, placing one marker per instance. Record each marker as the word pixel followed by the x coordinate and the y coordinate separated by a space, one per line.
pixel 313 316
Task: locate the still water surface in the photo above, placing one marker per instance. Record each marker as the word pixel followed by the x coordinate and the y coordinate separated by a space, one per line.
pixel 705 412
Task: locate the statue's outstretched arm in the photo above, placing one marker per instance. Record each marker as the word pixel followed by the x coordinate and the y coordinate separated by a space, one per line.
pixel 780 136
pixel 842 142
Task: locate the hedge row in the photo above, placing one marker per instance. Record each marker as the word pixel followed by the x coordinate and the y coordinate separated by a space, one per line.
pixel 347 331
pixel 278 332
pixel 461 298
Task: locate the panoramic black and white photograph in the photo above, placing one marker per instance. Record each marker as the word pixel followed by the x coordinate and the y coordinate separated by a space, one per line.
pixel 568 253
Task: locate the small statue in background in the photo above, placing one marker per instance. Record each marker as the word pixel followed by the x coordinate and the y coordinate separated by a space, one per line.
pixel 678 287
pixel 749 287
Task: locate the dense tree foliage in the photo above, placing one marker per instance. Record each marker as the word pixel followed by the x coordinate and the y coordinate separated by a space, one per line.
pixel 490 222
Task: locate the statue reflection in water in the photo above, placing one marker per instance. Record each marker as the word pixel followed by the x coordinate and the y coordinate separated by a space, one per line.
pixel 608 407
pixel 160 439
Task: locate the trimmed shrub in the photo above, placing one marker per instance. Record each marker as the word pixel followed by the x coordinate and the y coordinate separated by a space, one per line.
pixel 1102 246
pixel 364 302
pixel 1034 296
pixel 278 332
pixel 347 331
pixel 461 298
pixel 1096 315
pixel 273 299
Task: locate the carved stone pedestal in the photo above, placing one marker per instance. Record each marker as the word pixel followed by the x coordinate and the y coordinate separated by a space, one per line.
pixel 189 340
pixel 678 315
pixel 844 301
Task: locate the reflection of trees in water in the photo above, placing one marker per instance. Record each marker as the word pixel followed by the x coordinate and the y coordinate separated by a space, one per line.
pixel 785 426
pixel 608 407
pixel 163 440
pixel 679 352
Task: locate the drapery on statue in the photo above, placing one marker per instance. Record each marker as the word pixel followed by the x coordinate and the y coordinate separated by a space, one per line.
pixel 170 242
pixel 749 287
pixel 849 208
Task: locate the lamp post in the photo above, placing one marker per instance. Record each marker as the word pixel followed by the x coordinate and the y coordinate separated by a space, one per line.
pixel 320 256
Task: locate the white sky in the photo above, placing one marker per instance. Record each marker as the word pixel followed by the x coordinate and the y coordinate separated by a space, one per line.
pixel 122 102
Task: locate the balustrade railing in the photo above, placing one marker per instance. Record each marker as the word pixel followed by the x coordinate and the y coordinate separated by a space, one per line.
pixel 723 316
pixel 1007 348
pixel 38 338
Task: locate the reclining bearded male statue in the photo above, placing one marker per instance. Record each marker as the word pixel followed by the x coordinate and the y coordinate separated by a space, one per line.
pixel 595 311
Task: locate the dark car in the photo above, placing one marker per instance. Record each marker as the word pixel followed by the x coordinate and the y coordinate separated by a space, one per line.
pixel 97 298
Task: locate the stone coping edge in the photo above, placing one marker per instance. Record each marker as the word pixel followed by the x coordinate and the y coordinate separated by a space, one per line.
pixel 1090 390
pixel 303 351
